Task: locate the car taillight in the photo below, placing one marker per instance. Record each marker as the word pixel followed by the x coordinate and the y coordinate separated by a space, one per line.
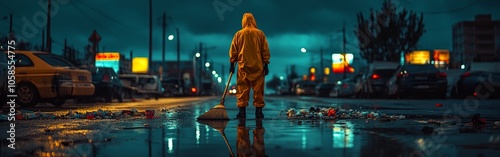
pixel 442 74
pixel 105 78
pixel 345 85
pixel 193 90
pixel 466 74
pixel 64 76
pixel 403 75
pixel 375 76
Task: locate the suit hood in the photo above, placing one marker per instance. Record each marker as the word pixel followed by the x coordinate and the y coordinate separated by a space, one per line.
pixel 248 21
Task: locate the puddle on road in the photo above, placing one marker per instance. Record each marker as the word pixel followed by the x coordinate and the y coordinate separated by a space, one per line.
pixel 168 137
pixel 177 133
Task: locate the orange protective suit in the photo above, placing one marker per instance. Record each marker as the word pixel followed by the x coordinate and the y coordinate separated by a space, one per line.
pixel 243 141
pixel 250 50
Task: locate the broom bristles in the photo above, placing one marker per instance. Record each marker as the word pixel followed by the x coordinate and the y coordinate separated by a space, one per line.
pixel 214 114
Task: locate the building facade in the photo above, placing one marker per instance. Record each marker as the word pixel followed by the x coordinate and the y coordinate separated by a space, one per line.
pixel 476 41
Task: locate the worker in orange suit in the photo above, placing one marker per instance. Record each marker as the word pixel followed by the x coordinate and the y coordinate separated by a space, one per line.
pixel 250 50
pixel 257 148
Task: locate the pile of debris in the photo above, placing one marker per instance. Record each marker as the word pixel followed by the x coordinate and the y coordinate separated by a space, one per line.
pixel 336 113
pixel 91 115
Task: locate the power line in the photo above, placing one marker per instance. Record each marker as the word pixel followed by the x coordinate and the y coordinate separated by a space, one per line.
pixel 90 18
pixel 101 12
pixel 12 11
pixel 452 10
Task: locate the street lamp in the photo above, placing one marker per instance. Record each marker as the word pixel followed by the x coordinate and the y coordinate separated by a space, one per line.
pixel 304 50
pixel 171 37
pixel 197 70
pixel 207 64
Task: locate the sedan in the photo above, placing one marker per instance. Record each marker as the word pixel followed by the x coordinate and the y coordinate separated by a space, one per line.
pixel 417 79
pixel 480 84
pixel 45 77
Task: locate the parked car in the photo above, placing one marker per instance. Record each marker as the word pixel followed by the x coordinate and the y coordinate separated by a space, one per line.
pixel 45 77
pixel 305 88
pixel 107 84
pixel 344 88
pixel 147 85
pixel 417 79
pixel 176 87
pixel 373 84
pixel 324 89
pixel 481 84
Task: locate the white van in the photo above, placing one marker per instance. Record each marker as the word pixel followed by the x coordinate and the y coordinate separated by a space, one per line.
pixel 148 85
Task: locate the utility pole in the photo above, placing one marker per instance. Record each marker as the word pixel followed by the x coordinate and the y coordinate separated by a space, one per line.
pixel 343 51
pixel 200 70
pixel 43 40
pixel 150 59
pixel 131 55
pixel 49 39
pixel 164 25
pixel 131 58
pixel 320 69
pixel 178 55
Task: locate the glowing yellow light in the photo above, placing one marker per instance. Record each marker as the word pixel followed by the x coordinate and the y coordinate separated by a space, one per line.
pixel 327 71
pixel 313 70
pixel 140 65
pixel 419 57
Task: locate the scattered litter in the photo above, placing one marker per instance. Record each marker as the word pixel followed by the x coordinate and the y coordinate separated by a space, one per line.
pixel 476 120
pixel 338 113
pixel 90 115
pixel 439 105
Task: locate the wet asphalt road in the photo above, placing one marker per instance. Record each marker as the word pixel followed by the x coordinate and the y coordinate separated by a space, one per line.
pixel 175 132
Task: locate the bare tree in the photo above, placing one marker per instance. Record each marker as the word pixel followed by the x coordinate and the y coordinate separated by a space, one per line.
pixel 385 34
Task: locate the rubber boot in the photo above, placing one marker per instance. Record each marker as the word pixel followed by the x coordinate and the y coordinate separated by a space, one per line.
pixel 242 113
pixel 258 113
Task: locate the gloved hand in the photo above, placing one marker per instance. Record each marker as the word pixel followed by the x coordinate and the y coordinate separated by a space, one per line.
pixel 231 69
pixel 266 69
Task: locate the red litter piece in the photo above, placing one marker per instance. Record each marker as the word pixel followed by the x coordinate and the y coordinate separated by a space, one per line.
pixel 90 115
pixel 439 105
pixel 150 114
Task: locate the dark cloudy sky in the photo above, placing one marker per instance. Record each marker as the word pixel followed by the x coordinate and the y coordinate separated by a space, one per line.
pixel 288 24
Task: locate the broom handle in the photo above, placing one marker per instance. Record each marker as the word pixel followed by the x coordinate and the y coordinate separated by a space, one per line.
pixel 227 143
pixel 225 90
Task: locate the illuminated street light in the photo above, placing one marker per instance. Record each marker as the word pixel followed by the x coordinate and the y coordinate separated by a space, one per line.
pixel 219 79
pixel 216 75
pixel 171 37
pixel 282 78
pixel 303 50
pixel 213 72
pixel 197 55
pixel 207 64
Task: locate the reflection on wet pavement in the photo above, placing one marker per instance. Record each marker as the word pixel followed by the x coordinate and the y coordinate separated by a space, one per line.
pixel 176 132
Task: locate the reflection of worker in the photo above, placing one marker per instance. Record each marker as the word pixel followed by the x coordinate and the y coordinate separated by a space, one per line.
pixel 250 49
pixel 243 141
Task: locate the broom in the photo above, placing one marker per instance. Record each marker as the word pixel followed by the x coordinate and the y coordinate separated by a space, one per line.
pixel 219 111
pixel 219 125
